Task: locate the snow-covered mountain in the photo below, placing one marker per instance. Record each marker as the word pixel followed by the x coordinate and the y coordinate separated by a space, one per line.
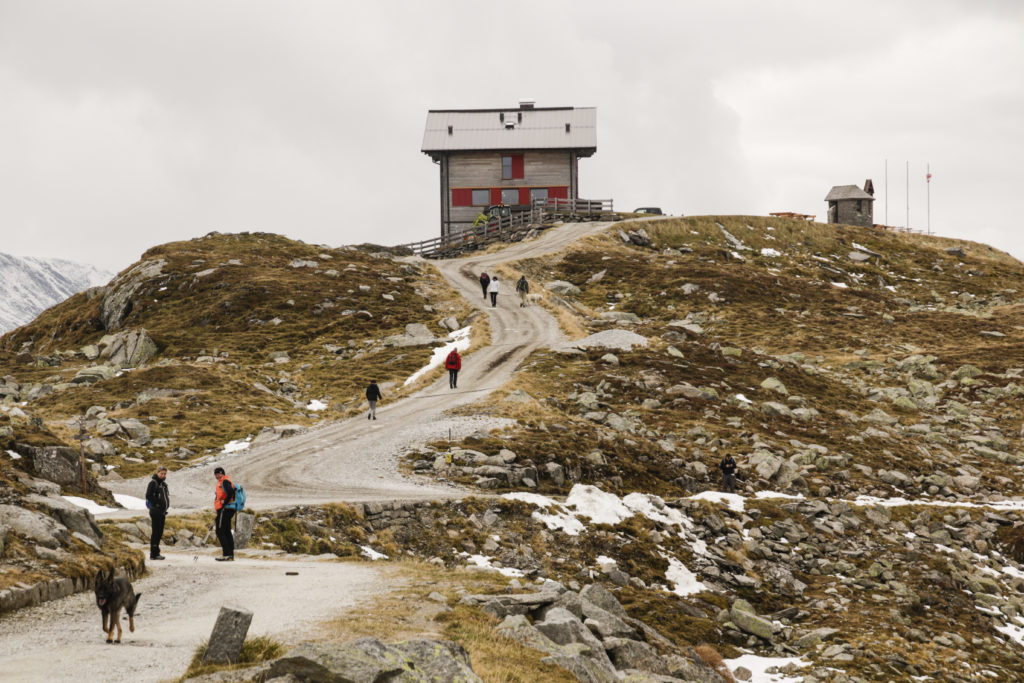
pixel 29 285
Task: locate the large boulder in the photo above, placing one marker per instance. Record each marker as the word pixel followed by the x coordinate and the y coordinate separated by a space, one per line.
pixel 34 526
pixel 368 659
pixel 128 349
pixel 562 287
pixel 75 518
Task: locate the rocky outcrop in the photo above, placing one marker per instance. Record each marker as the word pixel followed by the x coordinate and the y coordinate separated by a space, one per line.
pixel 118 296
pixel 587 633
pixel 128 349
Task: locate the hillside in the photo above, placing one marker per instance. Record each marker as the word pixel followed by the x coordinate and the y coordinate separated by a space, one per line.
pixel 30 285
pixel 868 384
pixel 212 340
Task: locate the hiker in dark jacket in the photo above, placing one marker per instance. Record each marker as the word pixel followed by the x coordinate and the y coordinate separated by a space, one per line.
pixel 373 395
pixel 728 467
pixel 522 288
pixel 453 363
pixel 158 500
pixel 485 280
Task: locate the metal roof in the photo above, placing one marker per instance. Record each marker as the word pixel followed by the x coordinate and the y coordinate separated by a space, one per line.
pixel 847 192
pixel 484 129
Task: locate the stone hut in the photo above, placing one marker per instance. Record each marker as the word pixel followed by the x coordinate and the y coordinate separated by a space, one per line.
pixel 850 205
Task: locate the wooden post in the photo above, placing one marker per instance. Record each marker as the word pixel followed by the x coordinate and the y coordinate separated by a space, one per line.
pixel 81 453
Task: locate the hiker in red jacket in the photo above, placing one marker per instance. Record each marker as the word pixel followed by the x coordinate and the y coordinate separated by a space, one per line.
pixel 453 363
pixel 485 280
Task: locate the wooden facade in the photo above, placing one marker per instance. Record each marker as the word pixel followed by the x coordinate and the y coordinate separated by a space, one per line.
pixel 508 156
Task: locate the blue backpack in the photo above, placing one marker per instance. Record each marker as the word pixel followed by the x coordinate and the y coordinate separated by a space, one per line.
pixel 239 502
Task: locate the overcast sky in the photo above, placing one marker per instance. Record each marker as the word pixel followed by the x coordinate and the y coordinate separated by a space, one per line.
pixel 124 125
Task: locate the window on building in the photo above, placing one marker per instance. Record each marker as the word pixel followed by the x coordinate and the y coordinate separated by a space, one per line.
pixel 538 193
pixel 510 195
pixel 481 197
pixel 512 166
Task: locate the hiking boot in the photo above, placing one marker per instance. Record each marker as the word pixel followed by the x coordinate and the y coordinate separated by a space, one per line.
pixel 374 417
pixel 225 558
pixel 158 557
pixel 367 417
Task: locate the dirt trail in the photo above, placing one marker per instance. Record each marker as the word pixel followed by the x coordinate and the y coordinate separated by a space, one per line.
pixel 356 460
pixel 63 641
pixel 352 460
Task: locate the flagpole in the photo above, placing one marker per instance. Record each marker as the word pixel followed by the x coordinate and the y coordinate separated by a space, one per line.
pixel 928 185
pixel 887 192
pixel 908 196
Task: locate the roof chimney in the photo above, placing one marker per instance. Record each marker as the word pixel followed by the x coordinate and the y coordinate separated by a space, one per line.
pixel 527 104
pixel 869 187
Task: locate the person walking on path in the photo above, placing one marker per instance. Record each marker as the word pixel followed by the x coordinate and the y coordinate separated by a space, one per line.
pixel 485 280
pixel 224 494
pixel 492 289
pixel 728 467
pixel 522 288
pixel 453 363
pixel 158 500
pixel 373 395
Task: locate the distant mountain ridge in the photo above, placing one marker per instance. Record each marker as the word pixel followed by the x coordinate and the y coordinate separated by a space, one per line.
pixel 29 285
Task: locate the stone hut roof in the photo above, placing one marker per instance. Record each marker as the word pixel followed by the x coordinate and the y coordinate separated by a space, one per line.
pixel 847 192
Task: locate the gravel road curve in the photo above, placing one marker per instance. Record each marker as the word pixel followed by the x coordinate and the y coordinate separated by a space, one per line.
pixel 356 460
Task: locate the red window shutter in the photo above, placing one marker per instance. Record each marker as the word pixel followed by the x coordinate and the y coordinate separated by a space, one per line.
pixel 524 195
pixel 495 195
pixel 558 193
pixel 517 166
pixel 462 196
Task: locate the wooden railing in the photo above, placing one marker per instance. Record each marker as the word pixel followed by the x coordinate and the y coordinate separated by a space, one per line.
pixel 541 214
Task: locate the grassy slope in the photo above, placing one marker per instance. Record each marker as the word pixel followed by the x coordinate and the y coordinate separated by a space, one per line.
pixel 216 333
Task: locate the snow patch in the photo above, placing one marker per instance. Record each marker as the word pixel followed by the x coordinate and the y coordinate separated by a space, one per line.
pixel 485 562
pixel 316 405
pixel 601 507
pixel 130 502
pixel 733 500
pixel 237 445
pixel 13 455
pixel 90 505
pixel 769 252
pixel 759 666
pixel 840 285
pixel 372 554
pixel 684 582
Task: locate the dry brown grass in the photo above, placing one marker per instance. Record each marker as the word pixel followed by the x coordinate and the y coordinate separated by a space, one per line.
pixel 404 612
pixel 710 656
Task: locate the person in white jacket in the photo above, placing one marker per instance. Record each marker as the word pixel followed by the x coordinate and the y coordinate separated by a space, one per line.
pixel 492 289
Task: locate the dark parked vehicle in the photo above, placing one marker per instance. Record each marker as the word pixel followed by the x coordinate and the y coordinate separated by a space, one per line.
pixel 649 210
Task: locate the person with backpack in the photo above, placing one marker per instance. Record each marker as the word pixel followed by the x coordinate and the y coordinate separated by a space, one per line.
pixel 728 467
pixel 492 289
pixel 223 503
pixel 158 500
pixel 523 288
pixel 453 363
pixel 485 280
pixel 373 395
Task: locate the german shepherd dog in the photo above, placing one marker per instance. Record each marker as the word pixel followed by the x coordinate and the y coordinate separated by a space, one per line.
pixel 111 595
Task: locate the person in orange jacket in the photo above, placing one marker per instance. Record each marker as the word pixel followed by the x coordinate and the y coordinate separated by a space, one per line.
pixel 224 494
pixel 453 363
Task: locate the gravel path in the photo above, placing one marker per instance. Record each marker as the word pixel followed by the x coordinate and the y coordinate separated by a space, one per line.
pixel 350 461
pixel 63 641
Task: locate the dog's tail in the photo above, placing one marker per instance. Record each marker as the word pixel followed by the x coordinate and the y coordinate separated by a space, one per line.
pixel 131 607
